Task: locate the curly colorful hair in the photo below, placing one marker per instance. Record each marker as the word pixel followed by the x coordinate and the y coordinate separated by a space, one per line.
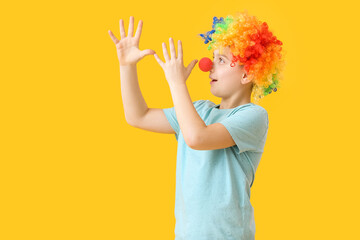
pixel 252 45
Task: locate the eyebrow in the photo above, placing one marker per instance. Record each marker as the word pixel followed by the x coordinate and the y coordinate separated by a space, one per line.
pixel 222 55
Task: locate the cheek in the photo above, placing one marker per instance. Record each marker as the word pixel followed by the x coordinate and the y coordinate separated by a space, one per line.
pixel 230 73
pixel 231 76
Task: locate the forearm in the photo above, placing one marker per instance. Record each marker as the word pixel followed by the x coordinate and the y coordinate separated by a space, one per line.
pixel 134 104
pixel 189 120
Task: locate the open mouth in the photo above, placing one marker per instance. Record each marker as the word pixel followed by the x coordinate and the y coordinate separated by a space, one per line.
pixel 214 80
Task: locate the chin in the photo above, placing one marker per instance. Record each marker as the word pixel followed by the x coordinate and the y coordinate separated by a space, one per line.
pixel 216 94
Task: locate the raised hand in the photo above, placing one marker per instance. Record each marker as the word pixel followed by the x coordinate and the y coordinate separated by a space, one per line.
pixel 174 69
pixel 128 47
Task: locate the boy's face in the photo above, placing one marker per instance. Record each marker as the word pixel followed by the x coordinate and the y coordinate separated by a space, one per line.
pixel 230 80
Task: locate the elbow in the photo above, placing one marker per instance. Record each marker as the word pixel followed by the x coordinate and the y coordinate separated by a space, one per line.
pixel 134 122
pixel 193 142
pixel 198 139
pixel 131 123
pixel 128 122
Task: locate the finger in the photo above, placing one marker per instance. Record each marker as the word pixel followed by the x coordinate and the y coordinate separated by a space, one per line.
pixel 131 27
pixel 146 52
pixel 191 65
pixel 113 38
pixel 166 55
pixel 158 60
pixel 180 51
pixel 138 30
pixel 195 61
pixel 122 29
pixel 172 48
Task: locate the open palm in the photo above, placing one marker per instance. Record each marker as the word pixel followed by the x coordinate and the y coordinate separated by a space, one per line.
pixel 128 47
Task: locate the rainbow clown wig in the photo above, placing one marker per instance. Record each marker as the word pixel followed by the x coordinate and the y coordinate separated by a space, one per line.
pixel 252 45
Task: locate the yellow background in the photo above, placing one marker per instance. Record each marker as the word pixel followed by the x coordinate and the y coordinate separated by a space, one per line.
pixel 72 168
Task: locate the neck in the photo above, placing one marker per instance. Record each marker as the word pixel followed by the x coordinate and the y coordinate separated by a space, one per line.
pixel 234 101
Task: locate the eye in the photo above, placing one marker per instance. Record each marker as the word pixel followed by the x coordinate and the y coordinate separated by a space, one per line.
pixel 221 59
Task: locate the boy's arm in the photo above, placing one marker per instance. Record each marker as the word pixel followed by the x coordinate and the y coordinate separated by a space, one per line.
pixel 135 106
pixel 137 113
pixel 129 55
pixel 190 122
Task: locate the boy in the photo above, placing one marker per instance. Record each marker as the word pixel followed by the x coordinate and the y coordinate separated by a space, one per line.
pixel 219 145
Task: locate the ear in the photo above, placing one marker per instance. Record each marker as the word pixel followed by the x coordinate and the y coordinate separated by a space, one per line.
pixel 245 79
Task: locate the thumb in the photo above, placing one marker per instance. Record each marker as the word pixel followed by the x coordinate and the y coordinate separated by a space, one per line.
pixel 147 52
pixel 192 65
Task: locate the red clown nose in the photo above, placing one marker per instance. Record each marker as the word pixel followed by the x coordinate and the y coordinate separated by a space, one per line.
pixel 205 64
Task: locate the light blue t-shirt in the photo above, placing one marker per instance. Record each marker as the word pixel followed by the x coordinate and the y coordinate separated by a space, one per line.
pixel 212 200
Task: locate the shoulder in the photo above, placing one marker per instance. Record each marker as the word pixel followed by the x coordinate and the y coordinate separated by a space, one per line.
pixel 259 116
pixel 252 114
pixel 259 109
pixel 256 109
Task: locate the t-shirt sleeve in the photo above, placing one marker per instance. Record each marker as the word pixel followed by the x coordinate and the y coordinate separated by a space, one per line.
pixel 248 128
pixel 171 117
